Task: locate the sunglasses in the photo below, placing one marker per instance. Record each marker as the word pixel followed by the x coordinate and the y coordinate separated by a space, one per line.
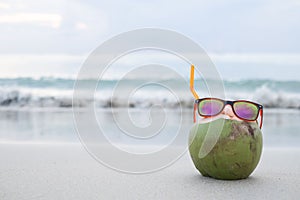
pixel 210 107
pixel 244 110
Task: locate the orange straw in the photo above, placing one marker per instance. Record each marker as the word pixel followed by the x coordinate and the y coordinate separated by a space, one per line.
pixel 192 82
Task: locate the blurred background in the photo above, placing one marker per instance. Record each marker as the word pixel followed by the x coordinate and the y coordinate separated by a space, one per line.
pixel 254 45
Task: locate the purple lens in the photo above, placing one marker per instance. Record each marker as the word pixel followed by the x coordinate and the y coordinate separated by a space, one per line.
pixel 210 107
pixel 246 110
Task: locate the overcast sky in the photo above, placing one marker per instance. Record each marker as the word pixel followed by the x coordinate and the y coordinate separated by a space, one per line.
pixel 54 36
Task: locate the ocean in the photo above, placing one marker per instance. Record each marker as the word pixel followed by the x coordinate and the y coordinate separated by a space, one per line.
pixel 51 92
pixel 40 110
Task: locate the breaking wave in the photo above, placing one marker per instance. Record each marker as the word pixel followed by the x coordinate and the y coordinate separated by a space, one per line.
pixel 51 92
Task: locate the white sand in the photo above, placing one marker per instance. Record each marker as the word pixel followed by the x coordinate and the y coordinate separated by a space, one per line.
pixel 68 172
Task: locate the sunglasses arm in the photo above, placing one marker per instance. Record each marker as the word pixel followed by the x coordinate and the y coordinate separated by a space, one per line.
pixel 261 118
pixel 195 111
pixel 192 82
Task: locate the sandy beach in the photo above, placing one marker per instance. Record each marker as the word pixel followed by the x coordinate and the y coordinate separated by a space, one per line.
pixel 67 171
pixel 42 160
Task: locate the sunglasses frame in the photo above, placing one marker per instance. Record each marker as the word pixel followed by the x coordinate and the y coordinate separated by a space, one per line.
pixel 231 103
pixel 226 102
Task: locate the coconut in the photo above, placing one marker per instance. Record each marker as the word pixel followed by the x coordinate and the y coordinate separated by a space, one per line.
pixel 225 149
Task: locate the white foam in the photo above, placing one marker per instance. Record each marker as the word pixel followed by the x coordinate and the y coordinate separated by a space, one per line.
pixel 45 97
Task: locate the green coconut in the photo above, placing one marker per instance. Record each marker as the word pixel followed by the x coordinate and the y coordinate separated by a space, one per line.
pixel 226 149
